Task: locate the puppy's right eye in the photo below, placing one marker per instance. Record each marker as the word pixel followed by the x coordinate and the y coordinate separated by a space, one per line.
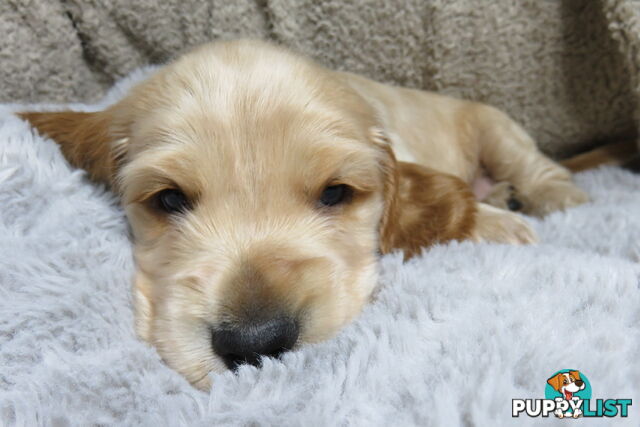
pixel 172 201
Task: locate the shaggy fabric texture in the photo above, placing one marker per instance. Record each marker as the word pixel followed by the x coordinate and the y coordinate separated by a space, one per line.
pixel 450 338
pixel 569 70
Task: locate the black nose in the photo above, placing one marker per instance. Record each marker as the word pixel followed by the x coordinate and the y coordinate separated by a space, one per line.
pixel 579 383
pixel 248 342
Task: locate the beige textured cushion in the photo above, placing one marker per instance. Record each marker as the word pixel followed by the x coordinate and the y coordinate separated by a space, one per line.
pixel 566 70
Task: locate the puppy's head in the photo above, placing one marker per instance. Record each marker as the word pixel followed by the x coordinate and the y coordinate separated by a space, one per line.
pixel 260 192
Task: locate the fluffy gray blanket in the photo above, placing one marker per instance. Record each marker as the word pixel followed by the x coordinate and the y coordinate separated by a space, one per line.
pixel 450 339
pixel 568 70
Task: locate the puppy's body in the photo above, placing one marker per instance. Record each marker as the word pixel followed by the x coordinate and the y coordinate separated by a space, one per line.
pixel 435 131
pixel 469 140
pixel 261 188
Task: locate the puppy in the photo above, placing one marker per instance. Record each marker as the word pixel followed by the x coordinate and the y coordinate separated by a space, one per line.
pixel 567 384
pixel 261 189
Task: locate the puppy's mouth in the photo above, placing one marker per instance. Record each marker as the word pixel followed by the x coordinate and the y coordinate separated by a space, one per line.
pixel 568 395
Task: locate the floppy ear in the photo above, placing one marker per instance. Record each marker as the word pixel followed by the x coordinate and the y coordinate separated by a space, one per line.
pixel 555 382
pixel 575 374
pixel 422 207
pixel 87 140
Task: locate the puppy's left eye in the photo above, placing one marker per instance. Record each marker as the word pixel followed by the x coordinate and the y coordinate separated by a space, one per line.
pixel 335 194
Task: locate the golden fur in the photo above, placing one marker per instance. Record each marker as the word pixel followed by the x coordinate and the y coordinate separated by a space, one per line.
pixel 253 135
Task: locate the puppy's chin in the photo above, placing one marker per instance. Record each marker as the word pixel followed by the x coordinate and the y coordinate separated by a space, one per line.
pixel 182 331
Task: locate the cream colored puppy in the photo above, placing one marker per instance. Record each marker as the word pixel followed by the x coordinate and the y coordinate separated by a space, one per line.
pixel 261 189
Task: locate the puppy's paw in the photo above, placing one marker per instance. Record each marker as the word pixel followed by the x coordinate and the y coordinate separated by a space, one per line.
pixel 554 196
pixel 501 226
pixel 505 196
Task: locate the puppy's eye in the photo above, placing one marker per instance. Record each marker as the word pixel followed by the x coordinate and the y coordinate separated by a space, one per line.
pixel 335 194
pixel 172 201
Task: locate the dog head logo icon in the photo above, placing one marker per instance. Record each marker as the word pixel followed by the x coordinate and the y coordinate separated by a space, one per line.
pixel 571 386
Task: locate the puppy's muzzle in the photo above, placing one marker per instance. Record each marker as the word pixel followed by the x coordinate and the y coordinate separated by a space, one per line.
pixel 248 342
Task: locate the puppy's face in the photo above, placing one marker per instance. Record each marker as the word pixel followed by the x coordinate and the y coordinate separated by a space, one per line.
pixel 256 228
pixel 259 194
